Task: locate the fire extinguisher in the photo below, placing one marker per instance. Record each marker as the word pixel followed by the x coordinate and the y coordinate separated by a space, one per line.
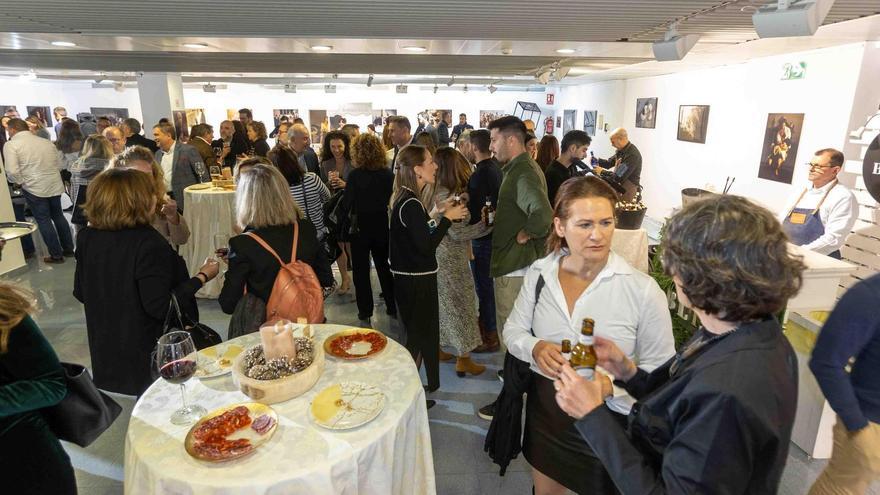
pixel 548 125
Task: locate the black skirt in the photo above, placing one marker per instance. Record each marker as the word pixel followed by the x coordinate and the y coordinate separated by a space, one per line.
pixel 553 446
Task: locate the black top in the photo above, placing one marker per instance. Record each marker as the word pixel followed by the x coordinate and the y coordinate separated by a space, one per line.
pixel 483 184
pixel 310 158
pixel 124 279
pixel 368 193
pixel 412 242
pixel 251 266
pixel 629 156
pixel 261 148
pixel 138 140
pixel 556 174
pixel 238 146
pixel 722 424
pixel 458 129
pixel 443 133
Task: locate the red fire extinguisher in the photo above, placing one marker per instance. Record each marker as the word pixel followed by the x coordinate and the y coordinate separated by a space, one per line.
pixel 548 125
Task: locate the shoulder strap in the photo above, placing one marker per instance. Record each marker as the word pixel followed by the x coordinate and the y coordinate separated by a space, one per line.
pixel 269 248
pixel 824 197
pixel 295 239
pixel 539 287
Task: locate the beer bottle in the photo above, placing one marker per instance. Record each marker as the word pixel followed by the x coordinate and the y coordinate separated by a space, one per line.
pixel 583 356
pixel 490 213
pixel 566 349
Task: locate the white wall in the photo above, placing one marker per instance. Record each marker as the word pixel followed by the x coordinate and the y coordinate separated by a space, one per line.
pixel 607 98
pixel 740 97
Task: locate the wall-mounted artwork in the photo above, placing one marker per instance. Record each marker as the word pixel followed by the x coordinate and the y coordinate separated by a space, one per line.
pixel 558 121
pixel 231 114
pixel 568 121
pixel 487 116
pixel 115 115
pixel 646 113
pixel 44 114
pixel 178 118
pixel 337 121
pixel 195 116
pixel 590 121
pixel 290 113
pixel 779 152
pixel 379 116
pixel 9 111
pixel 693 120
pixel 319 125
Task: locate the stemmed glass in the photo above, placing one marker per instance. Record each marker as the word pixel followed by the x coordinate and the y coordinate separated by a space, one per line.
pixel 221 245
pixel 216 175
pixel 176 360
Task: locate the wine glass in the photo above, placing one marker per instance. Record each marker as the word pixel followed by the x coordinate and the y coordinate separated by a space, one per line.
pixel 216 175
pixel 221 245
pixel 176 360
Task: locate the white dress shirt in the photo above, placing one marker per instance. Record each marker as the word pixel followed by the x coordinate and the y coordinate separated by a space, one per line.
pixel 627 305
pixel 34 163
pixel 838 213
pixel 168 165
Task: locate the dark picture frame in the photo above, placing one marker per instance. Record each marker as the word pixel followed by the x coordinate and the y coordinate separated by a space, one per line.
pixel 646 113
pixel 693 122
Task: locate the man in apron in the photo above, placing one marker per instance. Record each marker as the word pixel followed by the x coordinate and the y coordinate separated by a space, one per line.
pixel 821 216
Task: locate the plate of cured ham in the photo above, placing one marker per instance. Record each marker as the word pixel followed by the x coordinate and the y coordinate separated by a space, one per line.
pixel 355 343
pixel 231 432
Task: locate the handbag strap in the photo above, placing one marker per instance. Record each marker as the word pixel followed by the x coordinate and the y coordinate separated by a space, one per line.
pixel 539 287
pixel 174 309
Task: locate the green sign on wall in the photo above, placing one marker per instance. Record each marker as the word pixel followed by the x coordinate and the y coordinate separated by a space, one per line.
pixel 792 71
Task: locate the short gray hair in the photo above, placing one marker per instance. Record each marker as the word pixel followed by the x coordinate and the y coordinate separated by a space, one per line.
pixel 297 128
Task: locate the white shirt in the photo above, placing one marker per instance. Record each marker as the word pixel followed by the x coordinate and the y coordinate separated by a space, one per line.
pixel 168 165
pixel 34 163
pixel 627 305
pixel 838 213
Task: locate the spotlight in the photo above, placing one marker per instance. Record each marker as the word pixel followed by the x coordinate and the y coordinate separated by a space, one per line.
pixel 119 86
pixel 492 88
pixel 450 82
pixel 561 72
pixel 100 78
pixel 543 77
pixel 330 88
pixel 290 88
pixel 674 46
pixel 789 18
pixel 209 88
pixel 464 89
pixel 435 89
pixel 401 89
pixel 370 81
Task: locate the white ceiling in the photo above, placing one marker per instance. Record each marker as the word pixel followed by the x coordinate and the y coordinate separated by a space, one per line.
pixel 270 40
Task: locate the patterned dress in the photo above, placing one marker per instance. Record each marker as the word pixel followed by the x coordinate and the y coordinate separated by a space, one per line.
pixel 455 284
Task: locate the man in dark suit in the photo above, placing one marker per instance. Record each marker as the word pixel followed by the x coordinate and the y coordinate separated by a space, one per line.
pixel 131 129
pixel 460 127
pixel 181 163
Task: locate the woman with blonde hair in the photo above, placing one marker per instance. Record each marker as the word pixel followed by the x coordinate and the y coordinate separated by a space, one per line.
pixel 414 237
pixel 264 206
pixel 168 220
pixel 125 275
pixel 96 154
pixel 31 378
pixel 455 282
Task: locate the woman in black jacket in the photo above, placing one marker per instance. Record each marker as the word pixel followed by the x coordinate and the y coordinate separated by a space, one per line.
pixel 125 275
pixel 264 206
pixel 414 238
pixel 366 195
pixel 717 417
pixel 256 133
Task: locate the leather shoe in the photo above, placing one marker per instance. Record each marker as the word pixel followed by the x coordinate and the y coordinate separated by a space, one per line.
pixel 49 259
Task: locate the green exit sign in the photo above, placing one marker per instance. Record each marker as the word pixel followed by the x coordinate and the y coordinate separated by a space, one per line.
pixel 796 70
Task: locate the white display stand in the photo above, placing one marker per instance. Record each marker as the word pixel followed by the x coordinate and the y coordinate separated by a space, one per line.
pixel 13 257
pixel 815 418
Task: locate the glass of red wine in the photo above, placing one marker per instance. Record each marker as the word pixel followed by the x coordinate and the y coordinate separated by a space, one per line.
pixel 177 361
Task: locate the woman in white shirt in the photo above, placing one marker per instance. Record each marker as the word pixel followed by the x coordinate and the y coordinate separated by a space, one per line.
pixel 582 278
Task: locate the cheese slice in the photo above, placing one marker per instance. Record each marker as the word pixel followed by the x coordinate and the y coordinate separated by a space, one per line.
pixel 210 352
pixel 325 405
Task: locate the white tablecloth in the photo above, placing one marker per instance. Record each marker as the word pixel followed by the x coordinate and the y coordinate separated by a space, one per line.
pixel 207 212
pixel 390 455
pixel 632 245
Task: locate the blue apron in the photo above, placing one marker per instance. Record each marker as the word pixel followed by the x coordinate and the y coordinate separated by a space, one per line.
pixel 804 225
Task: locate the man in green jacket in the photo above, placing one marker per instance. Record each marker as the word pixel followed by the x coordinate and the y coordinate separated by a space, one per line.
pixel 522 218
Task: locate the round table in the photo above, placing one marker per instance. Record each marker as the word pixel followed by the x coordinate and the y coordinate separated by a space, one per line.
pixel 389 455
pixel 208 211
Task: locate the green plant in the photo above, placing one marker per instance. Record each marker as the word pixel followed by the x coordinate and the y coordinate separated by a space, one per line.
pixel 682 329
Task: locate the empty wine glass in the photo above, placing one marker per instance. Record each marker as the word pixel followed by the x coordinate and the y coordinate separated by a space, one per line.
pixel 176 360
pixel 216 175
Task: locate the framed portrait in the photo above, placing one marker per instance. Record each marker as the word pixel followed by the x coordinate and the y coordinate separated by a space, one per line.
pixel 782 136
pixel 590 121
pixel 646 113
pixel 44 114
pixel 487 116
pixel 116 115
pixel 568 120
pixel 693 120
pixel 289 113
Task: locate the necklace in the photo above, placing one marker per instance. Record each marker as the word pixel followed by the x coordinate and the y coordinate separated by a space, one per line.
pixel 695 346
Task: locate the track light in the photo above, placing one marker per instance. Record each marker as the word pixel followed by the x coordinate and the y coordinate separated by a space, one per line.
pixel 464 89
pixel 492 88
pixel 370 81
pixel 674 46
pixel 543 77
pixel 435 89
pixel 401 89
pixel 119 86
pixel 290 88
pixel 789 18
pixel 560 73
pixel 450 82
pixel 330 88
pixel 209 88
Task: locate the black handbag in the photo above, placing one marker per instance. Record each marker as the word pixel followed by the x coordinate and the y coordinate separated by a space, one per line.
pixel 85 412
pixel 202 335
pixel 249 315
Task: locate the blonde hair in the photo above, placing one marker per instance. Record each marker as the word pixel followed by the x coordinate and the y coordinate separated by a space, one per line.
pixel 408 158
pixel 97 146
pixel 121 199
pixel 126 159
pixel 15 305
pixel 262 198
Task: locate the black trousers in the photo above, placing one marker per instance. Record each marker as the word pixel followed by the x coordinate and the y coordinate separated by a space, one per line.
pixel 419 310
pixel 362 247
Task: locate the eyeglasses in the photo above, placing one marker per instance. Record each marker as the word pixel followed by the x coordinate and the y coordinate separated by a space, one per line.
pixel 812 165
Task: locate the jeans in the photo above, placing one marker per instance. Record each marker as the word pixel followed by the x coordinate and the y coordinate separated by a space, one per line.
pixel 53 226
pixel 483 282
pixel 27 242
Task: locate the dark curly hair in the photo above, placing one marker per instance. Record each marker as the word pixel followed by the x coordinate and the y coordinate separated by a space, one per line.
pixel 330 136
pixel 368 152
pixel 731 257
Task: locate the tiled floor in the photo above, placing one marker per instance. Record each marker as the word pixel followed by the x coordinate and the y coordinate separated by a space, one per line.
pixel 457 434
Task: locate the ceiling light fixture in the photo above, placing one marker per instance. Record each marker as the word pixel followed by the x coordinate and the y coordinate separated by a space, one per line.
pixel 674 46
pixel 465 88
pixel 565 51
pixel 789 18
pixel 63 43
pixel 450 82
pixel 435 89
pixel 322 48
pixel 290 88
pixel 543 77
pixel 330 88
pixel 401 89
pixel 209 88
pixel 195 45
pixel 28 76
pixel 414 48
pixel 370 81
pixel 492 88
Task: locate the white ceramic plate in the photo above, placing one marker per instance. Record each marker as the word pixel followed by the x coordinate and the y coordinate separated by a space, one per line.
pixel 217 361
pixel 347 405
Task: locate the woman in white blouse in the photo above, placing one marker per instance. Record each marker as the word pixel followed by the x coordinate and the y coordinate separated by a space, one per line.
pixel 581 278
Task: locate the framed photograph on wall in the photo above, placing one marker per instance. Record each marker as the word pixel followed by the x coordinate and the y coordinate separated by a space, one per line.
pixel 195 116
pixel 487 116
pixel 116 115
pixel 178 118
pixel 779 151
pixel 319 125
pixel 290 113
pixel 44 114
pixel 646 113
pixel 693 120
pixel 568 120
pixel 590 121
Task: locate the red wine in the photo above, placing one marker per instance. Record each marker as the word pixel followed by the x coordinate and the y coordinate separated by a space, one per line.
pixel 222 252
pixel 178 371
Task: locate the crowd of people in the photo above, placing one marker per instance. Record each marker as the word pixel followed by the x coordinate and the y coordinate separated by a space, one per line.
pixel 488 232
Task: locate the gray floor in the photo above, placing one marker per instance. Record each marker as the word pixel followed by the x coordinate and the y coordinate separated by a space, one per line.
pixel 457 433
